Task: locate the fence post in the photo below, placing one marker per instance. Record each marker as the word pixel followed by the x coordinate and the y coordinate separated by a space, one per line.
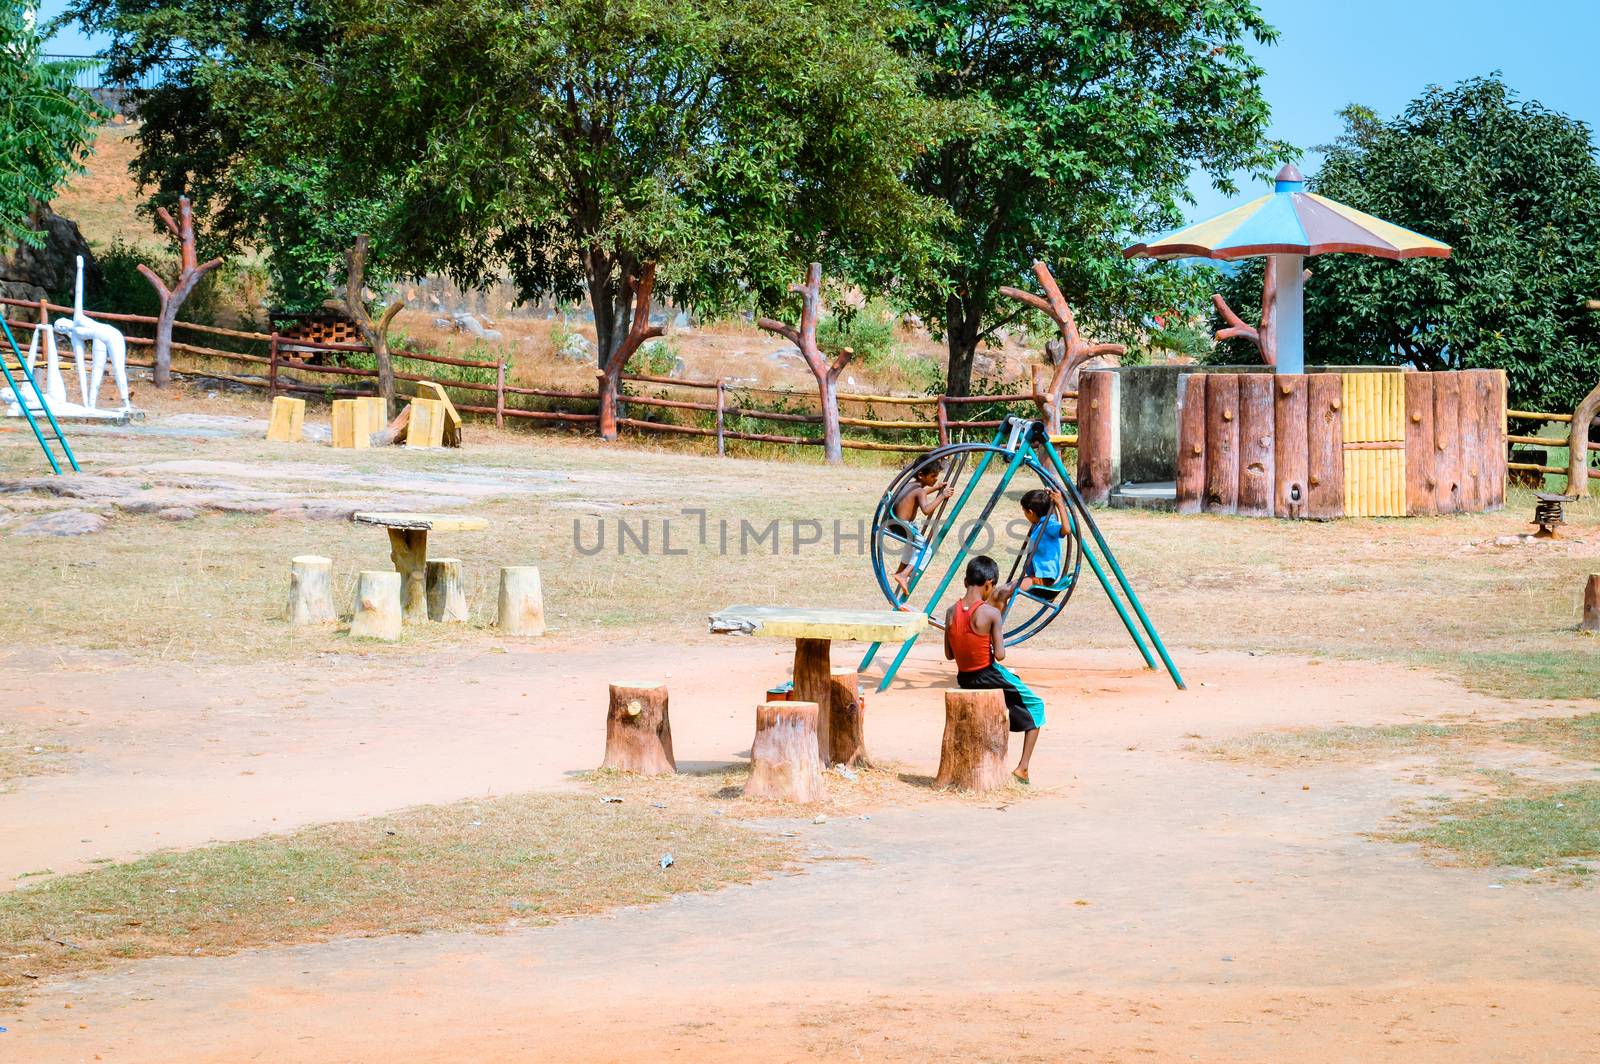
pixel 272 365
pixel 500 395
pixel 943 417
pixel 721 391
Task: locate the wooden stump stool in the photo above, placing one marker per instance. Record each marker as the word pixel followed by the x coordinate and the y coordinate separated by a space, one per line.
pixel 311 590
pixel 377 607
pixel 447 595
pixel 783 758
pixel 286 422
pixel 972 756
pixel 521 601
pixel 1591 605
pixel 847 737
pixel 638 730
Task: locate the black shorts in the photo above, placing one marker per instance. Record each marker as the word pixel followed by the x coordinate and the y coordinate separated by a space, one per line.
pixel 1025 709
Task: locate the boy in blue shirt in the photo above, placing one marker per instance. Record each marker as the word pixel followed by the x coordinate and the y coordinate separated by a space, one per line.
pixel 1046 512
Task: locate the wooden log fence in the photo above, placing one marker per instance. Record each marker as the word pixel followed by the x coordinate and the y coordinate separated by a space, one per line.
pixel 284 367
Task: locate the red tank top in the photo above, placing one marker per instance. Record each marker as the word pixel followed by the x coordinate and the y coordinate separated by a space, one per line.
pixel 973 649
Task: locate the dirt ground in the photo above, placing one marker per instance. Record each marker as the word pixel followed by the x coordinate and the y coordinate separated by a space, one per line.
pixel 1147 901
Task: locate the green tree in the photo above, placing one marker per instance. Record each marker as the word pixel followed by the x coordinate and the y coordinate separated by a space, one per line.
pixel 46 125
pixel 1514 189
pixel 200 135
pixel 1097 113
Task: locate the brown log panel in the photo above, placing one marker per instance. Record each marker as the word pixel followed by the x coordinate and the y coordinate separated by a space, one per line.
pixel 1256 451
pixel 1094 436
pixel 1493 398
pixel 1290 465
pixel 1420 498
pixel 1447 442
pixel 1222 444
pixel 1192 443
pixel 1470 447
pixel 1324 446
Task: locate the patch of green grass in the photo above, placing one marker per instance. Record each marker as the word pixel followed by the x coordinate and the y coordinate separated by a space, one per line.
pixel 1556 830
pixel 1577 737
pixel 471 864
pixel 1530 674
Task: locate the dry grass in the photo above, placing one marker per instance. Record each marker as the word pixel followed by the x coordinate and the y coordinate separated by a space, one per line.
pixel 486 864
pixel 103 201
pixel 722 791
pixel 1431 592
pixel 1576 738
pixel 24 753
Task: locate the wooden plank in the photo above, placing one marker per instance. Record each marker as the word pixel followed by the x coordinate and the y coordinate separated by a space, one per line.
pixel 1324 446
pixel 1420 499
pixel 426 428
pixel 1256 450
pixel 344 425
pixel 1097 428
pixel 867 626
pixel 1191 442
pixel 1222 444
pixel 1290 466
pixel 1495 417
pixel 1471 442
pixel 1447 442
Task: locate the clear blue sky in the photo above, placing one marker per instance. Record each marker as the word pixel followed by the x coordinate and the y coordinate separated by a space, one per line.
pixel 1380 53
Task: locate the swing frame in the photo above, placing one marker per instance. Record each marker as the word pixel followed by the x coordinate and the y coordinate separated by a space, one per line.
pixel 1026 442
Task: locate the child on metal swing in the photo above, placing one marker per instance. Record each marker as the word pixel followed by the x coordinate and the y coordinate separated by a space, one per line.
pixel 918 499
pixel 974 638
pixel 1046 512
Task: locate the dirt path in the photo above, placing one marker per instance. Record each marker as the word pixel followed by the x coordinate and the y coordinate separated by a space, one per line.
pixel 1228 912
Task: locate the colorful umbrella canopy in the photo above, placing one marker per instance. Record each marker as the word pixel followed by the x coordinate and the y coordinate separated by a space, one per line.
pixel 1288 224
pixel 1291 221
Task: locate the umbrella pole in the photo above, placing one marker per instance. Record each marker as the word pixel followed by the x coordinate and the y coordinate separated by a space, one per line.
pixel 1291 314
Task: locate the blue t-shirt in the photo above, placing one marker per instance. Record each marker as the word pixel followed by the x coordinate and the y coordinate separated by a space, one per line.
pixel 1046 564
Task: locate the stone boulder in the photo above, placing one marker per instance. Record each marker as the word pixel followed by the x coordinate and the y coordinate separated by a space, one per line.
pixel 34 273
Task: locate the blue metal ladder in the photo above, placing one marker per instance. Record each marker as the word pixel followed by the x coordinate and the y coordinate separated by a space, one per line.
pixel 11 374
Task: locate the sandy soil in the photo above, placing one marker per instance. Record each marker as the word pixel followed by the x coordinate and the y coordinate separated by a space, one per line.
pixel 1149 904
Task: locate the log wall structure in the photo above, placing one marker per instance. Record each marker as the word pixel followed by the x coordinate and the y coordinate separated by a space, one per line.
pixel 1385 443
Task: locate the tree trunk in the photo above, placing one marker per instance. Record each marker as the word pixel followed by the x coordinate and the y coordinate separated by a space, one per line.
pixel 847 732
pixel 783 757
pixel 377 606
pixel 190 273
pixel 375 331
pixel 447 592
pixel 972 756
pixel 828 392
pixel 408 549
pixel 813 682
pixel 639 330
pixel 311 590
pixel 521 606
pixel 1591 604
pixel 1578 444
pixel 826 373
pixel 961 341
pixel 638 730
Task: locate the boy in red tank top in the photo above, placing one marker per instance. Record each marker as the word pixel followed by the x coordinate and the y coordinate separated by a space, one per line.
pixel 974 639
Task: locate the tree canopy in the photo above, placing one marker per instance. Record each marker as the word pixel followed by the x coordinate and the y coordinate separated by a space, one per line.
pixel 1514 189
pixel 1098 112
pixel 47 125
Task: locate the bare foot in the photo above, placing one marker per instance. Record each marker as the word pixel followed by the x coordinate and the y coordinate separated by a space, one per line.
pixel 901 585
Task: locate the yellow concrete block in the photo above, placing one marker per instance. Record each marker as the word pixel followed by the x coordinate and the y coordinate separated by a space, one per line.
pixel 287 420
pixel 355 420
pixel 426 427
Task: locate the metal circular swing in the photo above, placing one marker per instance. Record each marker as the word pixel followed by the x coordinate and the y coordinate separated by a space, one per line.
pixel 917 541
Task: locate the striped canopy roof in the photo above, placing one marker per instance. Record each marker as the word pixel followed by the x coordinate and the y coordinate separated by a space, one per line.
pixel 1291 221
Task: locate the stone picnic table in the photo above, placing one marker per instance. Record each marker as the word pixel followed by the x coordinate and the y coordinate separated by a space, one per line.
pixel 813 632
pixel 408 547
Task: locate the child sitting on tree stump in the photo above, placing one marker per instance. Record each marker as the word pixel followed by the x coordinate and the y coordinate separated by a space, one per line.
pixel 974 638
